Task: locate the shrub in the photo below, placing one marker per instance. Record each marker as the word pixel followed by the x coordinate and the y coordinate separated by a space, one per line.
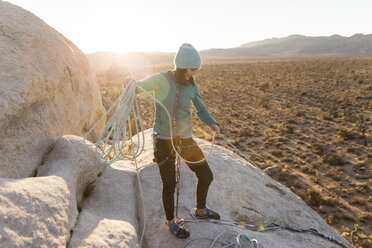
pixel 291 121
pixel 302 113
pixel 345 134
pixel 330 219
pixel 332 159
pixel 263 87
pixel 359 200
pixel 325 116
pixel 332 112
pixel 362 185
pixel 358 235
pixel 347 113
pixel 318 148
pixel 305 169
pixel 350 149
pixel 268 132
pixel 330 201
pixel 313 196
pixel 287 128
pixel 235 142
pixel 244 133
pixel 366 217
pixel 264 101
pixel 287 160
pixel 277 153
pixel 361 125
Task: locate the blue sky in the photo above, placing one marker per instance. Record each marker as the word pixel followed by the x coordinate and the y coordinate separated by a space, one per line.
pixel 163 25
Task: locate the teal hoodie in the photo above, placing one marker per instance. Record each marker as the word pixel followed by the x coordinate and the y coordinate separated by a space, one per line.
pixel 164 85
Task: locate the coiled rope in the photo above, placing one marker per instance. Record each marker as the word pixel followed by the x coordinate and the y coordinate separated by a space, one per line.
pixel 109 150
pixel 261 228
pixel 234 239
pixel 127 106
pixel 110 147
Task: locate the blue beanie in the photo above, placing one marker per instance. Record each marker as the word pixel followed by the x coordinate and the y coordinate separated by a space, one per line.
pixel 187 57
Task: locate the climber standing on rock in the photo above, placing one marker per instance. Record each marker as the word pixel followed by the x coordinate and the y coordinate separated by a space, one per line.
pixel 176 89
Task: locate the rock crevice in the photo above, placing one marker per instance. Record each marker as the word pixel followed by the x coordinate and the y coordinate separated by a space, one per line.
pixel 41 211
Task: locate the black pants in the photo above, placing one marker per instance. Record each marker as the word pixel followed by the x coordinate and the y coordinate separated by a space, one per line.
pixel 163 151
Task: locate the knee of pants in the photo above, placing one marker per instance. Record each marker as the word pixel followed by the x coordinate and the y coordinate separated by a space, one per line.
pixel 206 178
pixel 209 178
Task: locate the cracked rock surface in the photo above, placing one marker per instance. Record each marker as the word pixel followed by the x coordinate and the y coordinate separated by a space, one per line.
pixel 109 215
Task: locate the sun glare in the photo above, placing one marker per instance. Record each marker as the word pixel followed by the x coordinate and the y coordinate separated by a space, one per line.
pixel 120 27
pixel 116 29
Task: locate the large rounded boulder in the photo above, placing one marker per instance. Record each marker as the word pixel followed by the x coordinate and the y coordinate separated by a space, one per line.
pixel 47 89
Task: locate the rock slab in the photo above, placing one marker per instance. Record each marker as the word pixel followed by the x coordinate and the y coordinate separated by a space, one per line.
pixel 47 89
pixel 40 211
pixel 109 216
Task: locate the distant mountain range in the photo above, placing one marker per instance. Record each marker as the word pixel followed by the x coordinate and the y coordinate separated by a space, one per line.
pixel 299 45
pixel 291 46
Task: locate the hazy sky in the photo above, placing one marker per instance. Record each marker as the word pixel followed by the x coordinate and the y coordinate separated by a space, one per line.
pixel 163 25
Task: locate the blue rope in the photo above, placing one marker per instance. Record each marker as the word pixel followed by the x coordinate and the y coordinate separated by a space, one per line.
pixel 234 239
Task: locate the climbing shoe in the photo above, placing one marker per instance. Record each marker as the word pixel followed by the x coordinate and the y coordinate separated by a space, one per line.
pixel 207 214
pixel 179 231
